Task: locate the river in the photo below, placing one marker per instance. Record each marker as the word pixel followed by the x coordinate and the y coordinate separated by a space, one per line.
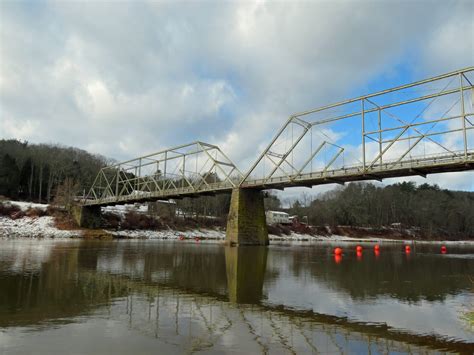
pixel 143 296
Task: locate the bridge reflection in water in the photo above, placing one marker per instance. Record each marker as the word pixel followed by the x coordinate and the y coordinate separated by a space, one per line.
pixel 181 298
pixel 245 268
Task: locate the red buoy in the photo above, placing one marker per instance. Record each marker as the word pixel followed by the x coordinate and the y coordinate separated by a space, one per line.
pixel 443 249
pixel 337 251
pixel 377 253
pixel 407 249
pixel 359 254
pixel 377 247
pixel 359 249
pixel 337 258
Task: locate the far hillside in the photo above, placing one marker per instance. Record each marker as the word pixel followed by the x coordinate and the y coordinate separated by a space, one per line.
pixel 426 209
pixel 33 172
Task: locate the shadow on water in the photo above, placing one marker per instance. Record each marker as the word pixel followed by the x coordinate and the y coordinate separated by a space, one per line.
pixel 72 281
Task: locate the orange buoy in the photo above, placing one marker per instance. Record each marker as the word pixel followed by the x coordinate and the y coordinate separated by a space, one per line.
pixel 337 258
pixel 443 249
pixel 359 249
pixel 377 247
pixel 407 249
pixel 337 251
pixel 377 253
pixel 359 255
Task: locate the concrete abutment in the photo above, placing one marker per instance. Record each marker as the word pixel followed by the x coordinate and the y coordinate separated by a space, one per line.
pixel 246 223
pixel 87 216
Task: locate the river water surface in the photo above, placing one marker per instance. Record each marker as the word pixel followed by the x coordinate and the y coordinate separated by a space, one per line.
pixel 142 296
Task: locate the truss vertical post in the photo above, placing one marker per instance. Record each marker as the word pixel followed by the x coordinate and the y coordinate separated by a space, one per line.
pixel 164 172
pixel 140 182
pixel 184 170
pixel 136 181
pixel 463 117
pixel 363 134
pixel 117 182
pixel 380 136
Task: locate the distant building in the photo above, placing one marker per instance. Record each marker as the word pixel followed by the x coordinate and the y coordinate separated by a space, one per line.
pixel 277 217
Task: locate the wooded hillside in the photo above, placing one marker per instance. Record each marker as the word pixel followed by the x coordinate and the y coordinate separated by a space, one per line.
pixel 436 212
pixel 35 171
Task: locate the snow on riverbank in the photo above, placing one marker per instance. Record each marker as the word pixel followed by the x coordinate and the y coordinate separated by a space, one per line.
pixel 32 227
pixel 24 206
pixel 219 234
pixel 214 234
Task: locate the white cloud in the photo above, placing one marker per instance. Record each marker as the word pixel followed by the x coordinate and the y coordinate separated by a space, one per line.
pixel 128 78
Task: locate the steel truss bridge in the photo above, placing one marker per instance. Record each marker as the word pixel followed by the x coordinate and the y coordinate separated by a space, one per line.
pixel 419 128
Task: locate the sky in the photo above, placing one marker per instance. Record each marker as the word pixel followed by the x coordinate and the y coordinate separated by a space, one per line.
pixel 122 79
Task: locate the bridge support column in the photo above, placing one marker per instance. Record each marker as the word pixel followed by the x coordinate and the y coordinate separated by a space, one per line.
pixel 246 224
pixel 87 216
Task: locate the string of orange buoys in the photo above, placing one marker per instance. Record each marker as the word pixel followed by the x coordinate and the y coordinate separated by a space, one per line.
pixel 359 249
pixel 338 252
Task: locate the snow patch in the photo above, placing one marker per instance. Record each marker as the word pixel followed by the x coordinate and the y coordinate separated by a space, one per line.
pixel 24 206
pixel 215 234
pixel 32 227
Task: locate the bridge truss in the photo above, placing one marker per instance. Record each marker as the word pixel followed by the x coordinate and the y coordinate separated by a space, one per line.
pixel 414 129
pixel 180 171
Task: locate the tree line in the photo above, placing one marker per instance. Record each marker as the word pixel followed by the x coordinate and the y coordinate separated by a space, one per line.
pixel 434 211
pixel 34 172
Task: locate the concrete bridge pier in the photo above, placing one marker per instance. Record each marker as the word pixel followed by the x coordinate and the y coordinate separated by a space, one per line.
pixel 246 224
pixel 87 216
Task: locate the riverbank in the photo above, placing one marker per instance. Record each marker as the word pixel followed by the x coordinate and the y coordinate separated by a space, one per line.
pixel 44 227
pixel 27 220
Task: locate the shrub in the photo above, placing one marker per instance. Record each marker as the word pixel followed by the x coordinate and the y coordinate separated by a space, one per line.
pixel 35 212
pixel 111 220
pixel 273 229
pixel 133 220
pixel 63 221
pixel 7 209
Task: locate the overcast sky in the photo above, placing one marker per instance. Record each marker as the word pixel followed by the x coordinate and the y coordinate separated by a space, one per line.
pixel 126 78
